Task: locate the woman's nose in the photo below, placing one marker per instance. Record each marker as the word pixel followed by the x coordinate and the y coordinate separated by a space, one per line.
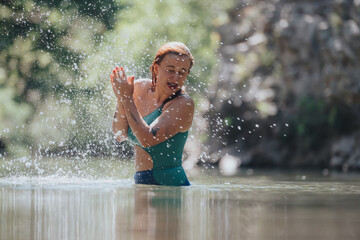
pixel 175 76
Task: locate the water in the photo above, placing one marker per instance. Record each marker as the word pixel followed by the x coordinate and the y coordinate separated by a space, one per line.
pixel 263 205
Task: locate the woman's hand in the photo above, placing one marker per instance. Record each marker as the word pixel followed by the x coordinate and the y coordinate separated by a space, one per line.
pixel 123 86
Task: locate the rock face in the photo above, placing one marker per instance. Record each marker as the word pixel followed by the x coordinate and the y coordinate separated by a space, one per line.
pixel 288 90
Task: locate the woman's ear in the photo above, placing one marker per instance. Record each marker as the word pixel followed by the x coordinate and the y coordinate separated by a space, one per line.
pixel 156 68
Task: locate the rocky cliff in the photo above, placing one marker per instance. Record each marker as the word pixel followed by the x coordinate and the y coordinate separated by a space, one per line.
pixel 288 89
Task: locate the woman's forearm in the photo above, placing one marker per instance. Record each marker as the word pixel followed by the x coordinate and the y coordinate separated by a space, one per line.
pixel 139 127
pixel 120 125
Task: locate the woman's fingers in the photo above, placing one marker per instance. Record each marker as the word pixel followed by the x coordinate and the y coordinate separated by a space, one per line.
pixel 115 75
pixel 112 77
pixel 131 80
pixel 118 75
pixel 123 86
pixel 123 73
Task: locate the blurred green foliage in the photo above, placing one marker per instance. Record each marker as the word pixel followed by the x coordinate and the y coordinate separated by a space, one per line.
pixel 56 56
pixel 316 121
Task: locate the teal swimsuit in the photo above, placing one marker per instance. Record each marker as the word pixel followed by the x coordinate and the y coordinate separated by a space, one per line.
pixel 166 156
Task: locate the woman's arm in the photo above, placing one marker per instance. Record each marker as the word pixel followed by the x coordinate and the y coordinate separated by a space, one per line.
pixel 176 118
pixel 120 125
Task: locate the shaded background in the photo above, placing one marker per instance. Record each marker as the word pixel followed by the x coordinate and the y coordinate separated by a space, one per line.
pixel 276 83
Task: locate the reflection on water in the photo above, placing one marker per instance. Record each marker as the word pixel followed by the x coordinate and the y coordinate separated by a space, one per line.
pixel 242 207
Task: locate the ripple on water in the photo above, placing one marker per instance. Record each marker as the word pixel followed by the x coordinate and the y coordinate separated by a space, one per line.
pixel 236 184
pixel 288 187
pixel 64 182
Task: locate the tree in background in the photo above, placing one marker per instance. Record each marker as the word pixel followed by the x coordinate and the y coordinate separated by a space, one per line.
pixel 42 45
pixel 56 56
pixel 288 91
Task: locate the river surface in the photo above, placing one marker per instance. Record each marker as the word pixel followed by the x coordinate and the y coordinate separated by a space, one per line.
pixel 102 202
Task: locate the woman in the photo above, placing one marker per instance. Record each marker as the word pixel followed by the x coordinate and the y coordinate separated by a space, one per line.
pixel 156 115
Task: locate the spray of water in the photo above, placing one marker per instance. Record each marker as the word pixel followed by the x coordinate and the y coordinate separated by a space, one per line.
pixel 61 55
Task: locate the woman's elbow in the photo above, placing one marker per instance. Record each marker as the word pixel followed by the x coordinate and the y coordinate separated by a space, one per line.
pixel 152 139
pixel 148 142
pixel 121 139
pixel 120 135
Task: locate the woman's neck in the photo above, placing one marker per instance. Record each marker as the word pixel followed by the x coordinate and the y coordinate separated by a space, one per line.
pixel 160 96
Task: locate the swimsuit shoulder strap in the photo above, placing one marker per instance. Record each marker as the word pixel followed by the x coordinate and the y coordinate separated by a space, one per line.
pixel 176 94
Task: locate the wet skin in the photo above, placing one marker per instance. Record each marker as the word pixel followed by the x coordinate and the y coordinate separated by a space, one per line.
pixel 135 100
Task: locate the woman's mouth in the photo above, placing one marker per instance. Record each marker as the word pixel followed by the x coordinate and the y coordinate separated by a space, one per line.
pixel 173 86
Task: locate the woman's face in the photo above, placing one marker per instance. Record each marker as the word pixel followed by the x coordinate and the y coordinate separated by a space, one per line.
pixel 172 72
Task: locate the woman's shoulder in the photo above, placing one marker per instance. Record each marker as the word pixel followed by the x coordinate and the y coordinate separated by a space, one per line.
pixel 183 101
pixel 181 109
pixel 184 96
pixel 141 86
pixel 142 82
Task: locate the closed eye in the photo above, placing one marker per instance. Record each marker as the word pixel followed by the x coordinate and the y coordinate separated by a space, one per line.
pixel 173 71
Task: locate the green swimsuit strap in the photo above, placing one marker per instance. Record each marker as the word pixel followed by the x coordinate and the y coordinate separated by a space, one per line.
pixel 175 95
